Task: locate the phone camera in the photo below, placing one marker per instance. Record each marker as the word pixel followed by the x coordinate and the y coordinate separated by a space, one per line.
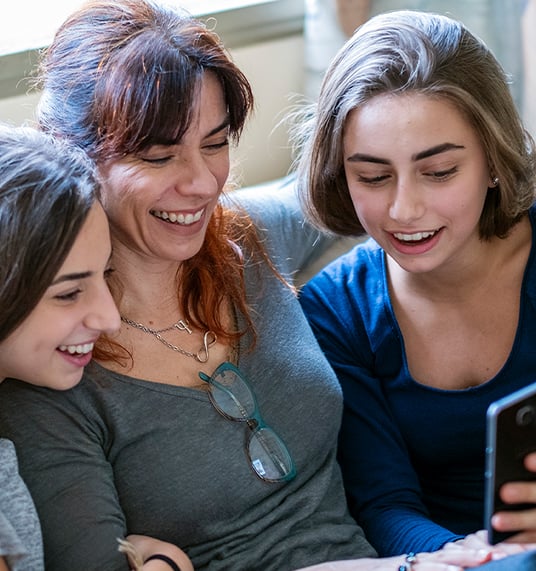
pixel 525 416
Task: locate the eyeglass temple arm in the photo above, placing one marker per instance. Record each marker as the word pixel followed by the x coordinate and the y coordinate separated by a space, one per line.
pixel 209 379
pixel 204 377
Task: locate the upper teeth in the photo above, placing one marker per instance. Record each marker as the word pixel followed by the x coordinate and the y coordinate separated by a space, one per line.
pixel 179 218
pixel 81 349
pixel 414 237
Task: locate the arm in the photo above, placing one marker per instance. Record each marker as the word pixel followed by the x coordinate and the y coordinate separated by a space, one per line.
pixel 440 560
pixel 140 548
pixel 3 565
pixel 382 487
pixel 290 240
pixel 62 458
pixel 69 471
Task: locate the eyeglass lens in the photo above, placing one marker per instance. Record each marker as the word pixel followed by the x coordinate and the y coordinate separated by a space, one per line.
pixel 233 398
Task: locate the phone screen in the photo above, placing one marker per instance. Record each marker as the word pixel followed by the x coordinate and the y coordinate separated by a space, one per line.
pixel 511 435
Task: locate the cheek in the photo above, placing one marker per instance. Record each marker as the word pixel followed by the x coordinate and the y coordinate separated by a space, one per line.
pixel 368 206
pixel 221 172
pixel 120 186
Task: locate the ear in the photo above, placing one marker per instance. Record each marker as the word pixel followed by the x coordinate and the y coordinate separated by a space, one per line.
pixel 493 181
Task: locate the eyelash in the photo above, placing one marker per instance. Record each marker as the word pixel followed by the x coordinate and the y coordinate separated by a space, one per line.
pixel 438 176
pixel 71 296
pixel 442 175
pixel 163 160
pixel 218 145
pixel 374 180
pixel 159 161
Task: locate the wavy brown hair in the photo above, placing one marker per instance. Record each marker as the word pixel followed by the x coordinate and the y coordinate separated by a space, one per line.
pixel 122 75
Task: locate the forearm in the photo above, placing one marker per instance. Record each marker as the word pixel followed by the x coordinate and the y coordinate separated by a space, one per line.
pixel 395 531
pixel 140 548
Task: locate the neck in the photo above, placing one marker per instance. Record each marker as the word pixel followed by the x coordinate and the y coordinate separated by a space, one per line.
pixel 147 289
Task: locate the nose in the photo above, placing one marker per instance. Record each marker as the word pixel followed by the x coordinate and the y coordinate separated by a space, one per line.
pixel 196 174
pixel 407 204
pixel 103 315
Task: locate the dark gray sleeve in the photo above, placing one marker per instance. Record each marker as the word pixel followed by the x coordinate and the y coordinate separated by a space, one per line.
pixel 289 238
pixel 57 442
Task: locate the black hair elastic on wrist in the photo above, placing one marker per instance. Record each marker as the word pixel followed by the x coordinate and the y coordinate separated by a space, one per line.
pixel 166 559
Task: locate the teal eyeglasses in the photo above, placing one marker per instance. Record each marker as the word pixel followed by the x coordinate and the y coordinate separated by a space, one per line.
pixel 231 395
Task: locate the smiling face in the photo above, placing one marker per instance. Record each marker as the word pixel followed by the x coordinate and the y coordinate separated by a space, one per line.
pixel 54 343
pixel 160 201
pixel 418 178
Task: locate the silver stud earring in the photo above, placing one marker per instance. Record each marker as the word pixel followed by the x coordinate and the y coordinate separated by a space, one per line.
pixel 495 181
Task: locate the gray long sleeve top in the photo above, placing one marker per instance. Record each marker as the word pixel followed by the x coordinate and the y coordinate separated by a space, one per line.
pixel 117 455
pixel 20 534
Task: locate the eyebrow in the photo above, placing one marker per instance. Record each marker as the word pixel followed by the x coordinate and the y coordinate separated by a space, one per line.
pixel 171 142
pixel 362 157
pixel 75 275
pixel 71 277
pixel 223 125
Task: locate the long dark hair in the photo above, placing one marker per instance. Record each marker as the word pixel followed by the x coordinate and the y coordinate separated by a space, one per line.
pixel 46 192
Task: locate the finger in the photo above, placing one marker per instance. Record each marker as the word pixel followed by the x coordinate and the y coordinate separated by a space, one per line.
pixel 525 539
pixel 519 493
pixel 431 566
pixel 524 520
pixel 530 462
pixel 478 540
pixel 463 557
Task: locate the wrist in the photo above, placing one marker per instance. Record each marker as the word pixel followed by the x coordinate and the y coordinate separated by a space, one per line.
pixel 164 559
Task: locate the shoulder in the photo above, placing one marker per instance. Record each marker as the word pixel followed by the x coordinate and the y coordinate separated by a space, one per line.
pixel 275 210
pixel 267 203
pixel 8 461
pixel 362 267
pixel 351 290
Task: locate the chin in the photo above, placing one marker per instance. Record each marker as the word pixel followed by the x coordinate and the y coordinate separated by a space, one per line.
pixel 64 383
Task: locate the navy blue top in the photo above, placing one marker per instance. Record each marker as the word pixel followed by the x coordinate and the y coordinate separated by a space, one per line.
pixel 413 456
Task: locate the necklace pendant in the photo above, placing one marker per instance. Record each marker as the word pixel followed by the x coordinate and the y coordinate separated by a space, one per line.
pixel 183 325
pixel 209 339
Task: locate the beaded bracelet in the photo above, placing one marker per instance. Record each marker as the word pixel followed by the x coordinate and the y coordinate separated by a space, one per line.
pixel 166 559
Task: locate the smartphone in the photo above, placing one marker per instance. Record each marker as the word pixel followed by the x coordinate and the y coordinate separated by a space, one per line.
pixel 510 436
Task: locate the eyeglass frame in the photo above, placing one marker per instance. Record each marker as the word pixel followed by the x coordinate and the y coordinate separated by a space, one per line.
pixel 254 421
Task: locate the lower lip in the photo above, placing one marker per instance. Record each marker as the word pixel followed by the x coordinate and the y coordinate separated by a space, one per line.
pixel 415 248
pixel 76 360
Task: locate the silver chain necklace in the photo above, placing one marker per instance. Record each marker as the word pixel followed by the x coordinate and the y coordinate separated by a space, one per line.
pixel 209 338
pixel 181 325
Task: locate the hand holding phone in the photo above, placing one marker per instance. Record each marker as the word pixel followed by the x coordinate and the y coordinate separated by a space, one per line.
pixel 510 436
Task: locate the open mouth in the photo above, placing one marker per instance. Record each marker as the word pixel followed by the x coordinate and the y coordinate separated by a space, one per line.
pixel 178 218
pixel 415 238
pixel 77 349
